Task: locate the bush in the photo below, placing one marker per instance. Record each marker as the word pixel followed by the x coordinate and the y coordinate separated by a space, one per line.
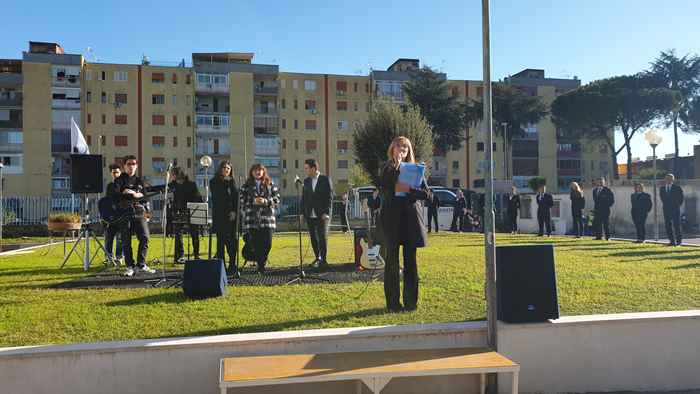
pixel 536 182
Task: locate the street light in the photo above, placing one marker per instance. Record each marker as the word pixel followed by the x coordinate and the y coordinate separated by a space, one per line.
pixel 654 139
pixel 205 161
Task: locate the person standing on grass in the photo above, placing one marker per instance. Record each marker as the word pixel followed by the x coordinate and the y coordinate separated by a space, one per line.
pixel 224 200
pixel 316 200
pixel 578 203
pixel 433 205
pixel 344 208
pixel 672 198
pixel 401 219
pixel 460 210
pixel 112 230
pixel 512 209
pixel 603 200
pixel 545 202
pixel 641 205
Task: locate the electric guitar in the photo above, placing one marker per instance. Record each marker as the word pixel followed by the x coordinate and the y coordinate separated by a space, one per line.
pixel 370 259
pixel 113 212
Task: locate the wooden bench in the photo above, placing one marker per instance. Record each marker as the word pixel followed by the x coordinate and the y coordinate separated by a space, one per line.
pixel 375 368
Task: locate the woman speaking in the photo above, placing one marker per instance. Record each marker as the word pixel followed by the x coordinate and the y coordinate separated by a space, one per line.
pixel 224 198
pixel 401 220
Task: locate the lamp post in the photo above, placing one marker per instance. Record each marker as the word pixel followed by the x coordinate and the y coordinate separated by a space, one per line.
pixel 654 139
pixel 205 161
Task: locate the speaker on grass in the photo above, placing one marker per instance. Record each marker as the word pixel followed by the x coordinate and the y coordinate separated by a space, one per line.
pixel 204 278
pixel 86 174
pixel 526 283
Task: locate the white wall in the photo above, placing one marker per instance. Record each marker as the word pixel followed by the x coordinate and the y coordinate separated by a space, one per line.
pixel 657 351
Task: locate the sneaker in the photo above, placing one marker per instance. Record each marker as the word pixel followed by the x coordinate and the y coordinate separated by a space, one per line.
pixel 129 271
pixel 181 260
pixel 119 261
pixel 147 269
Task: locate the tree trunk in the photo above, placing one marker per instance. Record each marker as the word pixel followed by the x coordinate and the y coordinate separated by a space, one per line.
pixel 629 161
pixel 611 145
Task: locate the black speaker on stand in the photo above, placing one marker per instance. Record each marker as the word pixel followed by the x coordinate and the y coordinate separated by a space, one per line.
pixel 526 284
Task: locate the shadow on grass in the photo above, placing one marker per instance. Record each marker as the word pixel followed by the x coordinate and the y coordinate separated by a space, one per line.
pixel 670 254
pixel 41 271
pixel 687 266
pixel 167 298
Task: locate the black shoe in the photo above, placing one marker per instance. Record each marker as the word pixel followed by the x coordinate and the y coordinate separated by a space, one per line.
pixel 322 264
pixel 395 308
pixel 671 244
pixel 409 308
pixel 540 235
pixel 261 269
pixel 316 263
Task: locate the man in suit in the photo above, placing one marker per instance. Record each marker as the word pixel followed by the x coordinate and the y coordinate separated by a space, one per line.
pixel 460 209
pixel 433 204
pixel 545 202
pixel 316 199
pixel 641 205
pixel 603 200
pixel 672 198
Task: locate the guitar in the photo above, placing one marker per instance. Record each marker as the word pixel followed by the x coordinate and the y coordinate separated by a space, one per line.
pixel 370 259
pixel 113 212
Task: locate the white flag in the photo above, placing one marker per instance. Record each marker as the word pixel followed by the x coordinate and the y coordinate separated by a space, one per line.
pixel 77 141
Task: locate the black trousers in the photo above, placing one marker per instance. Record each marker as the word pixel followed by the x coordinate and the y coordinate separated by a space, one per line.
pixel 262 243
pixel 640 222
pixel 318 230
pixel 601 224
pixel 392 289
pixel 433 214
pixel 578 222
pixel 136 225
pixel 112 233
pixel 544 219
pixel 226 242
pixel 344 221
pixel 179 245
pixel 457 221
pixel 673 226
pixel 513 220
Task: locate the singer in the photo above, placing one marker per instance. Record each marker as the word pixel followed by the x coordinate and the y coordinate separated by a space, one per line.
pixel 184 191
pixel 401 219
pixel 316 199
pixel 259 198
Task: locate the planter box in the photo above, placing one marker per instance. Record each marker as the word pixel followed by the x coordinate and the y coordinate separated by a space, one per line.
pixel 59 227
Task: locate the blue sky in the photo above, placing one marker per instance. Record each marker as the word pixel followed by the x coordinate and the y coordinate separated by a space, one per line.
pixel 590 39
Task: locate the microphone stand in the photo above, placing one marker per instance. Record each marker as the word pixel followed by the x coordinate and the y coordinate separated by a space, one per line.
pixel 164 222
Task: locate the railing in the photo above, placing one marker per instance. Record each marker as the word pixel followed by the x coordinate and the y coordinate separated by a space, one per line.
pixel 15 101
pixel 65 104
pixel 211 87
pixel 263 90
pixel 66 82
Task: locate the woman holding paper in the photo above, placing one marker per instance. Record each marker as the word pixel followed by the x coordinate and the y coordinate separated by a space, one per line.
pixel 401 220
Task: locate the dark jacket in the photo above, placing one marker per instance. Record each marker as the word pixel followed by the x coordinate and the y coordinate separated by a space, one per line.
pixel 513 204
pixel 460 206
pixel 578 201
pixel 134 183
pixel 318 199
pixel 433 203
pixel 641 204
pixel 603 199
pixel 224 199
pixel 544 202
pixel 183 193
pixel 672 200
pixel 392 220
pixel 258 216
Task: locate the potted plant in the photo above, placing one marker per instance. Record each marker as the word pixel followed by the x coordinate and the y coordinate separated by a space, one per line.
pixel 64 221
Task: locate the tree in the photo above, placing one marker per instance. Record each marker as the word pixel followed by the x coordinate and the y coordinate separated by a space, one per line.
pixel 429 92
pixel 358 177
pixel 387 121
pixel 536 182
pixel 510 106
pixel 626 103
pixel 693 115
pixel 683 76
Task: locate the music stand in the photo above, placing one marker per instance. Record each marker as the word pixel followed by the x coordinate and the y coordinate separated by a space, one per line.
pixel 301 275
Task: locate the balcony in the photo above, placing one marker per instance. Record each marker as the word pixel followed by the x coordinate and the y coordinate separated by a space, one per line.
pixel 65 104
pixel 266 90
pixel 212 124
pixel 206 150
pixel 70 81
pixel 266 123
pixel 202 87
pixel 569 172
pixel 10 100
pixel 11 148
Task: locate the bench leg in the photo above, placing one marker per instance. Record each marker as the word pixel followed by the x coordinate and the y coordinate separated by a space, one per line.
pixel 482 383
pixel 358 387
pixel 515 383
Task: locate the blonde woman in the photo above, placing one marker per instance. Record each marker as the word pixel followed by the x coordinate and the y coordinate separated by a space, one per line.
pixel 578 203
pixel 401 220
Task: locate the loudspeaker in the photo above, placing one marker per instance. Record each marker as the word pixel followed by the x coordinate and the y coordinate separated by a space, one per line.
pixel 526 284
pixel 204 278
pixel 86 174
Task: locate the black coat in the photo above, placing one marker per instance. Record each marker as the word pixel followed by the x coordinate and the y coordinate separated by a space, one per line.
pixel 513 204
pixel 183 193
pixel 224 199
pixel 398 222
pixel 672 200
pixel 544 203
pixel 578 201
pixel 433 203
pixel 603 200
pixel 641 204
pixel 318 199
pixel 460 206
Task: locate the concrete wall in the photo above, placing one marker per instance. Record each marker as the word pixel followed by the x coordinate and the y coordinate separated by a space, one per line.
pixel 658 351
pixel 191 365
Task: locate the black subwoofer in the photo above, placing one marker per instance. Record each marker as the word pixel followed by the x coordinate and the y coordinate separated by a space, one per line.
pixel 86 174
pixel 204 278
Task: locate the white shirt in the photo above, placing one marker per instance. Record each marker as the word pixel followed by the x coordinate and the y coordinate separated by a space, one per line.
pixel 314 181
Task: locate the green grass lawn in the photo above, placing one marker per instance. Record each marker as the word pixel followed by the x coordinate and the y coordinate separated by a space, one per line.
pixel 593 277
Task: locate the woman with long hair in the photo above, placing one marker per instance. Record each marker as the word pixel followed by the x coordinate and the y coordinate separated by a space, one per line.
pixel 578 203
pixel 184 191
pixel 259 198
pixel 224 198
pixel 402 224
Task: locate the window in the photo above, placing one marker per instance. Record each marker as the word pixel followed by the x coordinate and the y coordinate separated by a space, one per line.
pixel 342 164
pixel 283 83
pixel 310 146
pixel 157 78
pixel 342 106
pixel 189 121
pixel 354 87
pixel 174 120
pixel 310 124
pixel 525 166
pixel 296 164
pixel 120 140
pixel 283 104
pixel 296 146
pixel 158 164
pixel 284 123
pixel 342 125
pixel 88 75
pixel 189 160
pixel 188 79
pixel 284 163
pixel 478 183
pixel 158 99
pixel 342 146
pixel 455 165
pixel 366 88
pixel 120 98
pixel 174 99
pixel 121 76
pixel 158 141
pixel 103 97
pixel 296 104
pixel 158 120
pixel 89 118
pixel 310 105
pixel 309 85
pixel 174 78
pixel 88 139
pixel 455 183
pixel 357 106
pixel 120 119
pixel 88 97
pixel 174 139
pixel 341 88
pixel 103 140
pixel 480 146
pixel 189 142
pixel 104 119
pixel 188 99
pixel 103 75
pixel 284 144
pixel 295 84
pixel 296 124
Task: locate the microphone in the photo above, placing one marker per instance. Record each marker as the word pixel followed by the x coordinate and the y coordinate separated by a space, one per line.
pixel 170 167
pixel 297 179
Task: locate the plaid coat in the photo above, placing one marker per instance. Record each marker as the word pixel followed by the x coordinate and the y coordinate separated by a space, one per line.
pixel 257 216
